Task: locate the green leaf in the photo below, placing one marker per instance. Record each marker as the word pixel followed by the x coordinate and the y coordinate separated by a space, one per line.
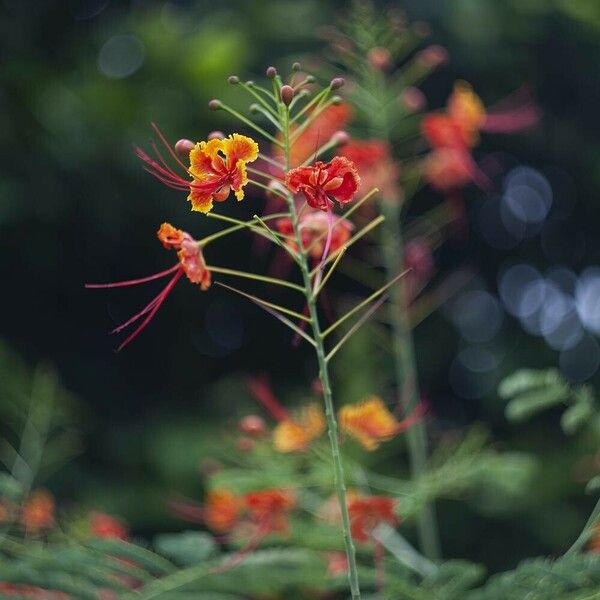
pixel 526 405
pixel 186 548
pixel 525 380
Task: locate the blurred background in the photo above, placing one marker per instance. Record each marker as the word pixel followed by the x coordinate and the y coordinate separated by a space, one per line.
pixel 81 81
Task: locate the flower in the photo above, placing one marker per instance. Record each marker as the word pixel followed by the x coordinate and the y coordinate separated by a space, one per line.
pixel 370 422
pixel 217 167
pixel 221 510
pixel 449 168
pixel 314 226
pixel 269 508
pixel 191 263
pixel 367 512
pixel 337 179
pixel 295 435
pixel 373 160
pixel 105 526
pixel 37 513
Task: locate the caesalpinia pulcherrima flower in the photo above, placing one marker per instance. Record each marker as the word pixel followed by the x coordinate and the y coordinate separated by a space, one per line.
pixel 314 227
pixel 222 510
pixel 191 264
pixel 269 509
pixel 374 163
pixel 217 167
pixel 105 526
pixel 37 513
pixel 370 422
pixel 367 512
pixel 296 434
pixel 337 179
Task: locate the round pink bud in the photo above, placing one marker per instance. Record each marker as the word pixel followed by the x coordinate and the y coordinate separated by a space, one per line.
pixel 215 104
pixel 413 99
pixel 271 72
pixel 233 79
pixel 339 138
pixel 253 425
pixel 296 66
pixel 317 386
pixel 433 56
pixel 215 135
pixel 336 83
pixel 380 58
pixel 287 94
pixel 184 146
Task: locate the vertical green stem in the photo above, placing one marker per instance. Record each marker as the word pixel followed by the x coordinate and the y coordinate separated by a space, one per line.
pixel 405 368
pixel 402 341
pixel 311 300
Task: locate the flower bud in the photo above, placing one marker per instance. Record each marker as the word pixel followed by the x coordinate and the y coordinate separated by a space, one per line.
pixel 317 386
pixel 380 58
pixel 254 108
pixel 215 135
pixel 296 66
pixel 336 83
pixel 337 100
pixel 253 425
pixel 249 83
pixel 233 79
pixel 287 94
pixel 433 56
pixel 310 79
pixel 271 72
pixel 215 104
pixel 339 138
pixel 184 146
pixel 413 99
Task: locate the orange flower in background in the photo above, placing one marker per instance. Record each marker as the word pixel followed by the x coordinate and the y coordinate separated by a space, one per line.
pixel 370 422
pixel 337 179
pixel 295 435
pixel 37 513
pixel 373 161
pixel 331 120
pixel 270 508
pixel 105 526
pixel 314 226
pixel 447 169
pixel 367 512
pixel 191 263
pixel 222 510
pixel 466 109
pixel 217 167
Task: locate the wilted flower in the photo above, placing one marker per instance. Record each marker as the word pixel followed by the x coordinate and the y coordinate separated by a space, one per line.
pixel 370 422
pixel 295 435
pixel 367 512
pixel 374 163
pixel 269 509
pixel 37 513
pixel 314 227
pixel 217 167
pixel 105 526
pixel 337 179
pixel 191 263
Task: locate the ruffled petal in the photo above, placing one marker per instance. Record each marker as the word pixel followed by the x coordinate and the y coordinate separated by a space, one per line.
pixel 239 147
pixel 239 178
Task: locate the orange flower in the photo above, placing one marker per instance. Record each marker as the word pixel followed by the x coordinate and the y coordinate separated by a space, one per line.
pixel 370 422
pixel 270 508
pixel 373 160
pixel 295 435
pixel 449 168
pixel 191 263
pixel 467 110
pixel 217 167
pixel 314 226
pixel 105 526
pixel 221 510
pixel 337 179
pixel 367 512
pixel 331 120
pixel 37 513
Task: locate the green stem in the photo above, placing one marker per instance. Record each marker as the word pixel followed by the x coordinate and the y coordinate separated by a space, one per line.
pixel 587 531
pixel 311 301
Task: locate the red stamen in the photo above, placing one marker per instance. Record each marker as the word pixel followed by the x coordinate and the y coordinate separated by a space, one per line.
pixel 233 561
pixel 260 388
pixel 92 286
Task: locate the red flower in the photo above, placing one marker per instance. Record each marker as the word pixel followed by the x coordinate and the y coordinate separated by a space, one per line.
pixel 105 526
pixel 337 179
pixel 374 163
pixel 449 168
pixel 221 510
pixel 269 508
pixel 37 513
pixel 314 226
pixel 191 263
pixel 367 512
